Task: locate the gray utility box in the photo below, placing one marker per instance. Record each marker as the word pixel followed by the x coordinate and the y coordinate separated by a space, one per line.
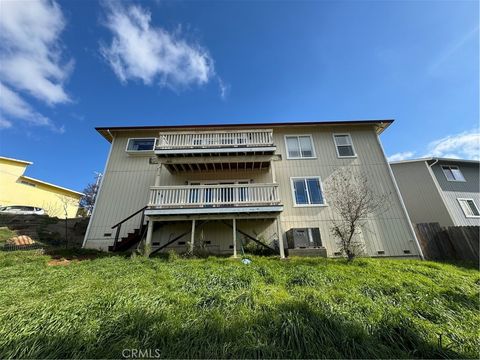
pixel 304 238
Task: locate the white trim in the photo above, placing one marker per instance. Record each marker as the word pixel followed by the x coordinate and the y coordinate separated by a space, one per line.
pixel 219 210
pixel 402 203
pixel 220 182
pixel 214 150
pixel 97 198
pixel 141 151
pixel 24 162
pixel 461 207
pixel 450 167
pixel 300 157
pixel 308 195
pixel 351 143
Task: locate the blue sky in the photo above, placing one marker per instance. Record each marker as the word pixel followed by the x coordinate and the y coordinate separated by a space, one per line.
pixel 66 67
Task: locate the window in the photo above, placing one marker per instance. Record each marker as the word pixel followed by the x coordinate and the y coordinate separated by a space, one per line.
pixel 344 145
pixel 140 144
pixel 307 191
pixel 27 183
pixel 452 173
pixel 469 208
pixel 299 147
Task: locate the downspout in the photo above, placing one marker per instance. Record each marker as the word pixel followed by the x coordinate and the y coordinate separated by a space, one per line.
pixel 402 204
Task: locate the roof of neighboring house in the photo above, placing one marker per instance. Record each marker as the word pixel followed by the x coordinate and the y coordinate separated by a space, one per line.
pixel 23 162
pixel 52 185
pixel 436 159
pixel 380 126
pixel 16 160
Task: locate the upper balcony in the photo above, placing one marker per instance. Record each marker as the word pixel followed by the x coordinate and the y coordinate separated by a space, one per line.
pixel 235 142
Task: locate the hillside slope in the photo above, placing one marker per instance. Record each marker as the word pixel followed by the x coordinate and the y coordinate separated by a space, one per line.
pixel 220 308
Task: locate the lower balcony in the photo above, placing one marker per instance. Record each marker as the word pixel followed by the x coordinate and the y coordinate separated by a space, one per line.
pixel 214 199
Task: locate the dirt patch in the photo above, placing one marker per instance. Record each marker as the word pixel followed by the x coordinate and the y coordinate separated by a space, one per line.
pixel 59 262
pixel 67 260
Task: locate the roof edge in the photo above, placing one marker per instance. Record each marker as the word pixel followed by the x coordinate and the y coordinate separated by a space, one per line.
pixel 16 160
pixel 52 185
pixel 434 159
pixel 106 131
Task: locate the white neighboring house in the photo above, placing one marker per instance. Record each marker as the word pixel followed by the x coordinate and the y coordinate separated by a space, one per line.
pixel 224 185
pixel 440 190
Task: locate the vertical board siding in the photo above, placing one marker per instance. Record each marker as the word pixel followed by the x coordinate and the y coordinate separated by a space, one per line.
pixel 422 199
pixel 128 179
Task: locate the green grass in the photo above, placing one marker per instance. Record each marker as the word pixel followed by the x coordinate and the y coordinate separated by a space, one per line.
pixel 221 308
pixel 6 234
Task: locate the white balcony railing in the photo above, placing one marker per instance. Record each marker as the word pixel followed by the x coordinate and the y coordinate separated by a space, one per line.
pixel 224 195
pixel 215 139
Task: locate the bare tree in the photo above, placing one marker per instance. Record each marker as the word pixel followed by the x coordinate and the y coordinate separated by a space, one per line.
pixel 66 202
pixel 353 201
pixel 90 194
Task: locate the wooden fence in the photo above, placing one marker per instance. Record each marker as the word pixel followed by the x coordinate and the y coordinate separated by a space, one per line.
pixel 449 243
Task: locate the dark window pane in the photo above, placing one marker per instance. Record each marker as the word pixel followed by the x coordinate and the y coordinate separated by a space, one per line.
pixel 345 151
pixel 457 174
pixel 473 208
pixel 141 144
pixel 448 173
pixel 300 192
pixel 315 191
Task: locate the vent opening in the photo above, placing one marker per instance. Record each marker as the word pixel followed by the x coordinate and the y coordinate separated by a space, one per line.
pixel 381 252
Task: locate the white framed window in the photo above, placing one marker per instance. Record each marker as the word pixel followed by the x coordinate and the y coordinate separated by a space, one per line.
pixel 344 146
pixel 469 208
pixel 299 147
pixel 452 173
pixel 140 145
pixel 307 191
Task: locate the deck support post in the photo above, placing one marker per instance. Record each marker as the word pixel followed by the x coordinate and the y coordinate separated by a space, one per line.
pixel 280 239
pixel 234 237
pixel 148 240
pixel 192 236
pixel 157 175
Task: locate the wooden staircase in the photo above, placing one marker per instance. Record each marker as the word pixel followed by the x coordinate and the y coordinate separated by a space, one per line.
pixel 127 242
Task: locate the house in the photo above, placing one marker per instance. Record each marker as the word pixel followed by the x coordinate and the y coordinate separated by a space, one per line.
pixel 19 189
pixel 224 185
pixel 446 191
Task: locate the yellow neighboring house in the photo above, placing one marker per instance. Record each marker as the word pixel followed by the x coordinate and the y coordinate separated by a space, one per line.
pixel 18 189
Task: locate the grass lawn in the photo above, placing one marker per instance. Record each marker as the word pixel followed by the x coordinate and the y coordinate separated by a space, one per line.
pixel 221 308
pixel 6 234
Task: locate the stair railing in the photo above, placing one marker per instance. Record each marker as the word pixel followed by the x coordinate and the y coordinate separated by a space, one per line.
pixel 119 225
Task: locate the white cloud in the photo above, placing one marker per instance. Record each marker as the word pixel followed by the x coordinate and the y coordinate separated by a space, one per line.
pixel 30 49
pixel 139 51
pixel 12 104
pixel 224 88
pixel 31 60
pixel 465 145
pixel 401 156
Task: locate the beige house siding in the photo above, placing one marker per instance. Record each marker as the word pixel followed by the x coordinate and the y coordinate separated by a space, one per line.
pixel 127 179
pixel 430 197
pixel 420 193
